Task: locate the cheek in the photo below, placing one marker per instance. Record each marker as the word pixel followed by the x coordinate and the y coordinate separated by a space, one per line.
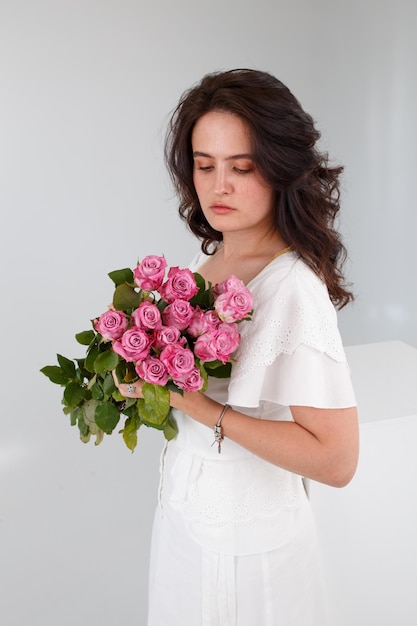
pixel 264 197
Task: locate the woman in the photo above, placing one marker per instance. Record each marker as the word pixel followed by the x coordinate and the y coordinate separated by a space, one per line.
pixel 234 540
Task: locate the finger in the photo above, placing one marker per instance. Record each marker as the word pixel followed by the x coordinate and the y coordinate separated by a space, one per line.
pixel 130 390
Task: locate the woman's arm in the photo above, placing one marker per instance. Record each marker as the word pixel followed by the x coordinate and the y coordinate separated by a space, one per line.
pixel 321 444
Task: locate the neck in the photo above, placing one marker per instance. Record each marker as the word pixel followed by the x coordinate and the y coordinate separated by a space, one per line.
pixel 243 245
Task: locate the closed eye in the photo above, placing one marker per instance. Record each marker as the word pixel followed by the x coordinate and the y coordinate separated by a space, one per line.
pixel 240 170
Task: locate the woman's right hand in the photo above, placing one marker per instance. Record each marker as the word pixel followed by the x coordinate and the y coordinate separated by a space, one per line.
pixel 129 390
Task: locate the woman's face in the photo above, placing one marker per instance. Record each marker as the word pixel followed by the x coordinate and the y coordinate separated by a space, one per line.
pixel 232 193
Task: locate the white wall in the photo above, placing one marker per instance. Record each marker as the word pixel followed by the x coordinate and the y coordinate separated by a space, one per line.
pixel 86 89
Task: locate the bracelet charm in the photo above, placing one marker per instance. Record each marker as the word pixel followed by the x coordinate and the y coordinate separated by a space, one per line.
pixel 218 433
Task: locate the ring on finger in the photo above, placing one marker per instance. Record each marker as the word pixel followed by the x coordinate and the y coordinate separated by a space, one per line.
pixel 130 389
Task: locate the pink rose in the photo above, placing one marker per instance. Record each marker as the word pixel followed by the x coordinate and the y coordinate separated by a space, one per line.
pixel 191 382
pixel 147 316
pixel 153 371
pixel 134 345
pixel 167 334
pixel 111 325
pixel 205 348
pixel 150 273
pixel 178 361
pixel 218 345
pixel 180 285
pixel 230 284
pixel 202 322
pixel 232 306
pixel 179 314
pixel 227 340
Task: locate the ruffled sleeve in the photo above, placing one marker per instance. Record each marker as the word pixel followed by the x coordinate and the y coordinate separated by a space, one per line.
pixel 291 352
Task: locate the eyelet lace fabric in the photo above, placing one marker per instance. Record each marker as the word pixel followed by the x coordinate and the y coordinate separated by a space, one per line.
pixel 293 319
pixel 232 505
pixel 238 491
pixel 292 308
pixel 290 353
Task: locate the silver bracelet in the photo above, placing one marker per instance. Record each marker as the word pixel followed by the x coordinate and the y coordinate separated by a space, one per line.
pixel 218 433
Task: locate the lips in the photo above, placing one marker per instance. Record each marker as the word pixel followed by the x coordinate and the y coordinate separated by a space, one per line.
pixel 221 209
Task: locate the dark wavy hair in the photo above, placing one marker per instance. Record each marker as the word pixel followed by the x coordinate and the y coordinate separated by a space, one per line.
pixel 283 137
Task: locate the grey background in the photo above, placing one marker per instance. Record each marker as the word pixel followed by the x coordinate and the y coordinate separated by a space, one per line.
pixel 86 90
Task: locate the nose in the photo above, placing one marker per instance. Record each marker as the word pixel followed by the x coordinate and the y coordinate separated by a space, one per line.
pixel 222 183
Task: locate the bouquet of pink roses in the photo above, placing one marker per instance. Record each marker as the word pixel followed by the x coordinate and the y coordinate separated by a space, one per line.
pixel 164 327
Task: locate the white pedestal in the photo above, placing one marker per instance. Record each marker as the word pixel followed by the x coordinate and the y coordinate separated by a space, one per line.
pixel 368 530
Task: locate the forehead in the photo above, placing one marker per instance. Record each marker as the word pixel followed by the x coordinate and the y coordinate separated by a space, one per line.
pixel 221 130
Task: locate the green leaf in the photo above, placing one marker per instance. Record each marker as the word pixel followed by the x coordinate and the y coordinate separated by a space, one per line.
pixel 125 297
pixel 75 414
pixel 118 397
pixel 200 281
pixel 107 416
pixel 204 299
pixel 55 374
pixel 218 370
pixel 84 430
pixel 89 410
pixel 162 305
pixel 129 408
pixel 91 357
pixel 99 437
pixel 108 384
pixel 151 416
pixel 204 376
pixel 130 432
pixel 81 372
pixel 67 366
pixel 85 337
pixel 74 394
pixel 125 372
pixel 97 391
pixel 92 381
pixel 154 407
pixel 106 361
pixel 156 395
pixel 171 429
pixel 171 386
pixel 122 276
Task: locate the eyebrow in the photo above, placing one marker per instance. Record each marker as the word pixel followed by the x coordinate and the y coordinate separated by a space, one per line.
pixel 244 155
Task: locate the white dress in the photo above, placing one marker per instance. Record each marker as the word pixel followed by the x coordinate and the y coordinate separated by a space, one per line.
pixel 234 542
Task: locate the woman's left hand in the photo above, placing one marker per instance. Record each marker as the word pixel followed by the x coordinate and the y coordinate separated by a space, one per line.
pixel 129 390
